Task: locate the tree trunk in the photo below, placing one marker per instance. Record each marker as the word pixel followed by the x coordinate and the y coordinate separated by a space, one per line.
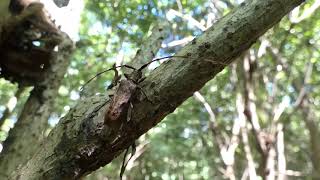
pixel 49 65
pixel 28 132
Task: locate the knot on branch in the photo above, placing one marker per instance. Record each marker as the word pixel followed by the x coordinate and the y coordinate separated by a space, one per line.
pixel 27 43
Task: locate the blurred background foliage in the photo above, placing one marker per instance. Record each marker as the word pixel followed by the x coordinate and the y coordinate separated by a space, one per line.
pixel 184 145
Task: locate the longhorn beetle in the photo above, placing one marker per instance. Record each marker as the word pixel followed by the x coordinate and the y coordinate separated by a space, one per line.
pixel 127 87
pixel 136 75
pixel 121 106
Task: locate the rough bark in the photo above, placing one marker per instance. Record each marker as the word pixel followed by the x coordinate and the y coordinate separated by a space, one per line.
pixel 32 122
pixel 81 143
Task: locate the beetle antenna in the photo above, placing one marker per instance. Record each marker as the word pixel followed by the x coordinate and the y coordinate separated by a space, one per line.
pixel 127 66
pixel 158 59
pixel 102 72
